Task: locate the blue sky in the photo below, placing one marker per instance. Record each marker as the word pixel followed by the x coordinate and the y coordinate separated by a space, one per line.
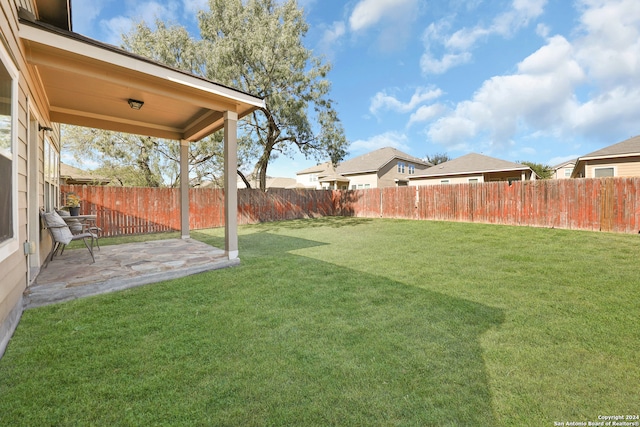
pixel 537 80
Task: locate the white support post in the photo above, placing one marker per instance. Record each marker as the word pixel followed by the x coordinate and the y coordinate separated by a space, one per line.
pixel 184 189
pixel 231 184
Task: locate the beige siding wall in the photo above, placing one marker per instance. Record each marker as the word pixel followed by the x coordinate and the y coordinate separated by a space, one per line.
pixel 560 173
pixel 624 167
pixel 13 268
pixel 308 180
pixel 364 180
pixel 14 272
pixel 463 179
pixel 503 176
pixel 389 173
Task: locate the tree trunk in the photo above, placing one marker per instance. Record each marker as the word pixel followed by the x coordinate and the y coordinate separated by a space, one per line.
pixel 262 169
pixel 244 179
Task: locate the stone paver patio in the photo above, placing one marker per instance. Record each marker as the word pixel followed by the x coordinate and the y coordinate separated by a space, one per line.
pixel 72 275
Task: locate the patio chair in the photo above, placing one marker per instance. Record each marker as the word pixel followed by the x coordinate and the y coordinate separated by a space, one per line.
pixel 78 227
pixel 61 235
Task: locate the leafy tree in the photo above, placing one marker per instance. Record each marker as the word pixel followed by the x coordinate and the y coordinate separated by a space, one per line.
pixel 130 160
pixel 542 171
pixel 438 158
pixel 256 46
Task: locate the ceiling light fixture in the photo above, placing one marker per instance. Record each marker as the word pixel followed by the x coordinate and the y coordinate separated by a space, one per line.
pixel 135 104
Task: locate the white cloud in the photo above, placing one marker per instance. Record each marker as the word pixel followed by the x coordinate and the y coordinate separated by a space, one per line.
pixel 337 30
pixel 84 16
pixel 465 38
pixel 387 139
pixel 540 95
pixel 383 101
pixel 541 98
pixel 611 45
pixel 191 7
pixel 114 28
pixel 426 113
pixel 521 13
pixel 458 46
pixel 368 13
pixel 431 65
pixel 331 38
pixel 613 111
pixel 392 20
pixel 148 11
pixel 543 30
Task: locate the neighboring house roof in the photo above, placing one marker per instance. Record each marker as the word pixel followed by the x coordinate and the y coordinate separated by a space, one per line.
pixel 280 182
pixel 375 160
pixel 272 182
pixel 469 164
pixel 370 162
pixel 319 168
pixel 332 175
pixel 561 165
pixel 629 147
pixel 72 175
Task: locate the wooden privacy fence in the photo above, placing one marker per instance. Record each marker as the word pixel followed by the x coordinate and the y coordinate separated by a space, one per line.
pixel 601 204
pixel 137 210
pixel 604 204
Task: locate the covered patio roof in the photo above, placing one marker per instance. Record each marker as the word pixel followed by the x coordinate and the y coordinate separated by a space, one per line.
pixel 81 81
pixel 89 83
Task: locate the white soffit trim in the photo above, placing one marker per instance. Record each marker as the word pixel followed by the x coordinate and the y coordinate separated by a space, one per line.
pixel 612 156
pixel 525 169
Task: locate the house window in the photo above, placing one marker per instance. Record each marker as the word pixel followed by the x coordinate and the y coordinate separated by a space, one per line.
pixel 473 180
pixel 444 181
pixel 400 167
pixel 602 172
pixel 567 172
pixel 8 153
pixel 51 176
pixel 412 169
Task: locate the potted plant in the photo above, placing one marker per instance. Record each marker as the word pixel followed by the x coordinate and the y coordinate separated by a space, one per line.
pixel 73 204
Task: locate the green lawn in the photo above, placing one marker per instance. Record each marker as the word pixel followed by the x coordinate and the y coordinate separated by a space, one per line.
pixel 349 322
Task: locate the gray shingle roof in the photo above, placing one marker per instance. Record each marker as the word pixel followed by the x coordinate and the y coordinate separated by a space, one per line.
pixel 563 164
pixel 75 175
pixel 471 163
pixel 626 147
pixel 375 160
pixel 319 168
